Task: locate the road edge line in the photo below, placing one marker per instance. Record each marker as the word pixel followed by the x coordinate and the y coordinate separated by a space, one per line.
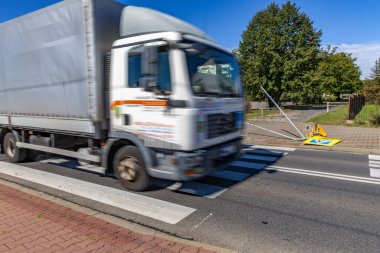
pixel 266 147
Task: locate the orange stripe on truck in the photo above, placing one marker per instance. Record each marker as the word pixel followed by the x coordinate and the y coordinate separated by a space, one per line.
pixel 140 102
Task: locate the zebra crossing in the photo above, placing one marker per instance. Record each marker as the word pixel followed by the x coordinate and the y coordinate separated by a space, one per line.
pixel 374 165
pixel 252 160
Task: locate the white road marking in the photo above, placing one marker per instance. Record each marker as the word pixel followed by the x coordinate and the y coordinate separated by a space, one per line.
pixel 272 148
pixel 374 157
pixel 374 172
pixel 372 164
pixel 260 158
pixel 54 160
pixel 202 221
pixel 256 166
pixel 230 175
pixel 263 152
pixel 75 165
pixel 198 189
pixel 217 193
pixel 174 186
pixel 92 168
pixel 366 180
pixel 156 209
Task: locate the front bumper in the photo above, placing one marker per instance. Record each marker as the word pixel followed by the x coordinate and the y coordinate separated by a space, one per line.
pixel 185 166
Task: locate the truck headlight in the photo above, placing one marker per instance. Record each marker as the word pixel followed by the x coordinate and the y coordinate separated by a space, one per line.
pixel 191 161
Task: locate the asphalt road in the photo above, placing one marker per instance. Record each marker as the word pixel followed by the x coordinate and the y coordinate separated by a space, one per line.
pixel 268 201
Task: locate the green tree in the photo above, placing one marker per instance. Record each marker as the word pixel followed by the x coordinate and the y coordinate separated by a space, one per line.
pixel 371 88
pixel 337 73
pixel 376 70
pixel 371 91
pixel 279 50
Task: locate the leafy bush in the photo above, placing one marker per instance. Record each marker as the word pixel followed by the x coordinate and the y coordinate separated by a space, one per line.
pixel 375 120
pixel 247 106
pixel 360 122
pixel 371 91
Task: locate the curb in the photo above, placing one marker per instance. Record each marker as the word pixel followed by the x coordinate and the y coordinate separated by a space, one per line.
pixel 112 219
pixel 336 148
pixel 341 149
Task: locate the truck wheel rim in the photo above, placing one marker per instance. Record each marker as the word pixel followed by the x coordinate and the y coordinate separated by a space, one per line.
pixel 128 168
pixel 11 148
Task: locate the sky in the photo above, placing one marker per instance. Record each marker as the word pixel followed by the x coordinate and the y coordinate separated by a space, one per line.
pixel 349 25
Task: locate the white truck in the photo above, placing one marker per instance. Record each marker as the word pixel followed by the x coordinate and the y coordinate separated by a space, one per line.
pixel 135 91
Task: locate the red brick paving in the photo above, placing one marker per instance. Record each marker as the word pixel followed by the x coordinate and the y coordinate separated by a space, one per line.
pixel 32 224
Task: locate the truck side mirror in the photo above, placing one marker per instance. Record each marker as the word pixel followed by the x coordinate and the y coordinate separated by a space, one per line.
pixel 149 68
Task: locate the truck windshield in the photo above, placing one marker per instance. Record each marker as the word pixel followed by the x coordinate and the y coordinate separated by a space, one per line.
pixel 213 72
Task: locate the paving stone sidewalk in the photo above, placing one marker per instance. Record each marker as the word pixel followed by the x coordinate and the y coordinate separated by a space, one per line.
pixel 31 224
pixel 354 139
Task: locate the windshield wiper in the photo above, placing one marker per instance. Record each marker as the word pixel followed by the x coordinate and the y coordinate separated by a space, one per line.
pixel 209 93
pixel 218 95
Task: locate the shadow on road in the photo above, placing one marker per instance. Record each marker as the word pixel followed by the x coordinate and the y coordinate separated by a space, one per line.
pixel 251 163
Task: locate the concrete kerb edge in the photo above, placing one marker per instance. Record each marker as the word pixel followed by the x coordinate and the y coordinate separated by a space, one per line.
pixel 248 140
pixel 333 148
pixel 342 149
pixel 112 219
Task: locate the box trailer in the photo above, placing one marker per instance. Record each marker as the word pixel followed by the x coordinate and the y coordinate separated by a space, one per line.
pixel 52 66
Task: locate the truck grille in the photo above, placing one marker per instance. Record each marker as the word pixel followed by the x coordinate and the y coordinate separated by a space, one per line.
pixel 220 124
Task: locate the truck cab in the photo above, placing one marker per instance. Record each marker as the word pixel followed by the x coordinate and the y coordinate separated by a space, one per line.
pixel 178 92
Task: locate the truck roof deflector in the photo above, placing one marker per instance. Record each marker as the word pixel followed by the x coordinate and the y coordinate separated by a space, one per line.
pixel 138 20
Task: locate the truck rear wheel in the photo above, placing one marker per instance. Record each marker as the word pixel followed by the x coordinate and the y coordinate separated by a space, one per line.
pixel 12 152
pixel 129 167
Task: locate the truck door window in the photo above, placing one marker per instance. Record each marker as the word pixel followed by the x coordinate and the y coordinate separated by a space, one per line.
pixel 134 70
pixel 163 78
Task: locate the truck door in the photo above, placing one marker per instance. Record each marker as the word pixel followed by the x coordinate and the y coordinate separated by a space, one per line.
pixel 141 106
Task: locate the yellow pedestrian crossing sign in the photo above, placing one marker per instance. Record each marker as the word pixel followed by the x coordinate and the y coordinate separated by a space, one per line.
pixel 322 141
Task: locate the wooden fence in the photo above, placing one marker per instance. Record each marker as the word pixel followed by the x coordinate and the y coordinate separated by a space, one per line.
pixel 355 105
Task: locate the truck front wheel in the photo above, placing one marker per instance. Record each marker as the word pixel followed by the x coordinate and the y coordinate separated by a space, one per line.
pixel 12 152
pixel 129 167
